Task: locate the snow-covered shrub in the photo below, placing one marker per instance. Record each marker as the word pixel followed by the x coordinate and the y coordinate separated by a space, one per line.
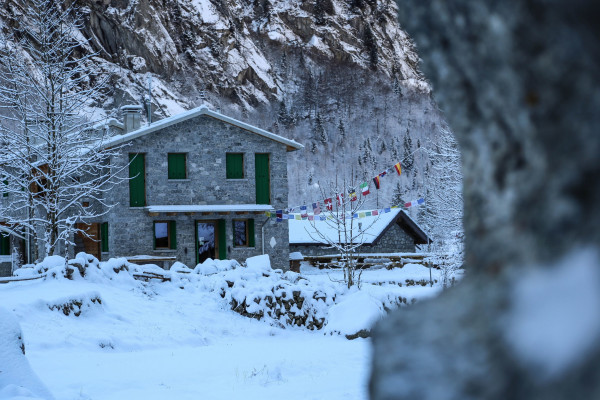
pixel 210 266
pixel 76 306
pixel 284 299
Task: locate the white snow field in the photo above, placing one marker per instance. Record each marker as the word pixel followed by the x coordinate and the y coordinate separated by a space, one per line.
pixel 180 339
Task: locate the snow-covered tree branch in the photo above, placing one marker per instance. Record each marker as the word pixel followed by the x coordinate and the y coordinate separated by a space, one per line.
pixel 55 167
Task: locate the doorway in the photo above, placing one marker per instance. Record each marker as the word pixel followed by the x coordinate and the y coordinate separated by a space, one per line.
pixel 89 243
pixel 206 241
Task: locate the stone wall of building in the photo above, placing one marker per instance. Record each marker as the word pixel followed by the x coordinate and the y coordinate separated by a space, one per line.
pixel 394 240
pixel 205 140
pixel 5 268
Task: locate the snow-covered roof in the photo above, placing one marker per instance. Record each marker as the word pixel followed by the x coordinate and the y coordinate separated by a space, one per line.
pixel 202 110
pixel 305 231
pixel 210 208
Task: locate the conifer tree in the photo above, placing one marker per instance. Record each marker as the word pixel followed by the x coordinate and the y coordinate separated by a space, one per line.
pixel 371 46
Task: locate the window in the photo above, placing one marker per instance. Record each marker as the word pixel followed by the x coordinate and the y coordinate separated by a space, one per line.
pixel 104 237
pixel 137 180
pixel 243 233
pixel 234 165
pixel 263 179
pixel 177 168
pixel 165 236
pixel 4 244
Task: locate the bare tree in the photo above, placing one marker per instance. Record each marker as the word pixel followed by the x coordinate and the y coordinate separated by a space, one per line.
pixel 338 225
pixel 54 164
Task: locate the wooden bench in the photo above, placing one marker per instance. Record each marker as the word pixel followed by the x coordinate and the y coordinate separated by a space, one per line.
pixel 141 260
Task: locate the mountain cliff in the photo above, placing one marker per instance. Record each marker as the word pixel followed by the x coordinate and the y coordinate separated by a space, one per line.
pixel 339 76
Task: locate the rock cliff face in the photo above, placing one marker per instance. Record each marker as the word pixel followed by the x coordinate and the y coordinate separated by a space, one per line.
pixel 328 73
pixel 233 48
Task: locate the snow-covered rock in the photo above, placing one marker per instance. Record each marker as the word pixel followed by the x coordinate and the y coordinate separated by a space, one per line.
pixel 17 379
pixel 355 315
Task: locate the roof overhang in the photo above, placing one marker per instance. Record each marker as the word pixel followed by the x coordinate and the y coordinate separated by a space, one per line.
pixel 202 110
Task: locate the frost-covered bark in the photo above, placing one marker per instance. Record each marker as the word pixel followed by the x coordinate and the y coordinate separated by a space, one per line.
pixel 519 83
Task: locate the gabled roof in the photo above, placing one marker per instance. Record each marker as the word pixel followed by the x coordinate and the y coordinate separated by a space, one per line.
pixel 202 110
pixel 303 232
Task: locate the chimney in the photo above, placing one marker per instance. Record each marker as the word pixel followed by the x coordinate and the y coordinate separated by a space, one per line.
pixel 131 117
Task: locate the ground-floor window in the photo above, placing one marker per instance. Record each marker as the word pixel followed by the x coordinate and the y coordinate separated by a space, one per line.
pixel 4 244
pixel 165 236
pixel 243 232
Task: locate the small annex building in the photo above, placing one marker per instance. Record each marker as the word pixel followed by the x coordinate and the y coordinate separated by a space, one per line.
pixel 391 232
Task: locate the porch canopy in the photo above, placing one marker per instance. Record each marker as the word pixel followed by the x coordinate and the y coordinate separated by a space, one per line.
pixel 210 209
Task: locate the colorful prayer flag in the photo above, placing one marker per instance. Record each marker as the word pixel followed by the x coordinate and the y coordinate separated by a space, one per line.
pixel 377 182
pixel 398 168
pixel 364 188
pixel 387 210
pixel 316 208
pixel 354 215
pixel 374 212
pixel 340 198
pixel 286 216
pixel 368 213
pixel 384 173
pixel 361 215
pixel 298 217
pixel 279 213
pixel 328 204
pixel 311 217
pixel 353 196
pixel 414 203
pixel 303 212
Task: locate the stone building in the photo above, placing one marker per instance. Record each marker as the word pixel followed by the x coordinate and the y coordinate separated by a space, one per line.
pixel 199 184
pixel 392 232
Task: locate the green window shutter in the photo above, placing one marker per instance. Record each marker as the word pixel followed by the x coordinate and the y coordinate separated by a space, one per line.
pixel 104 237
pixel 176 162
pixel 222 240
pixel 251 241
pixel 137 180
pixel 154 235
pixel 233 230
pixel 4 244
pixel 263 181
pixel 5 194
pixel 173 234
pixel 234 165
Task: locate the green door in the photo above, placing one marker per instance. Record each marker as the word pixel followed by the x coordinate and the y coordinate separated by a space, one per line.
pixel 137 180
pixel 263 181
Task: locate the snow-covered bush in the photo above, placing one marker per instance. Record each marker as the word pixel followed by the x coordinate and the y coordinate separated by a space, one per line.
pixel 76 306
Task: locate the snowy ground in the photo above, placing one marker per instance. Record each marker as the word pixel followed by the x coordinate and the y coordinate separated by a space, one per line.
pixel 157 341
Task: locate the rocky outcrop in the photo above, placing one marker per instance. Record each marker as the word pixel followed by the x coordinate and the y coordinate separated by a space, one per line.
pixel 519 84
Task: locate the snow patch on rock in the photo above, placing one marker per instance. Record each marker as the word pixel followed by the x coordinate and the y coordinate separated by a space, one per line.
pixel 555 313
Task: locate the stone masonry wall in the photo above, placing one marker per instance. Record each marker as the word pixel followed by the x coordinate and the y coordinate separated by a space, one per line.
pixel 394 240
pixel 205 140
